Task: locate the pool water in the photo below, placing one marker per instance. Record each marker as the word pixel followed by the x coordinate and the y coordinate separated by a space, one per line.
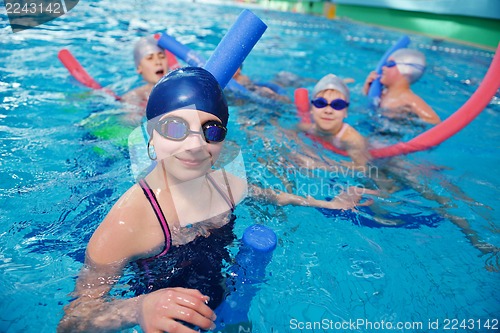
pixel 64 163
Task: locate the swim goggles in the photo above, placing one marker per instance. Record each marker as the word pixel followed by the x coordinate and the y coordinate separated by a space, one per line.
pixel 177 129
pixel 392 63
pixel 337 104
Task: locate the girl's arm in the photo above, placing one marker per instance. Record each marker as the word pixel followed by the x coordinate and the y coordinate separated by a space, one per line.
pixel 346 200
pixel 92 311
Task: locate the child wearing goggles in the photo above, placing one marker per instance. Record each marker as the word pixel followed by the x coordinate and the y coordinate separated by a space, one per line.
pixel 171 230
pixel 402 69
pixel 329 104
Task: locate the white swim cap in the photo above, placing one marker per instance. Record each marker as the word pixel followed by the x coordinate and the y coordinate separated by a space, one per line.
pixel 144 47
pixel 410 63
pixel 331 81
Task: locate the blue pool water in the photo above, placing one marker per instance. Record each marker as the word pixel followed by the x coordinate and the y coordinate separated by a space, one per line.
pixel 60 175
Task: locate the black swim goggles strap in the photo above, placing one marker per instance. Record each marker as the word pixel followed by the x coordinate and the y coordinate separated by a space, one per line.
pixel 177 129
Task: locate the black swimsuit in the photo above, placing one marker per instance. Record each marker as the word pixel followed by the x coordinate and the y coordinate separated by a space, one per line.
pixel 196 264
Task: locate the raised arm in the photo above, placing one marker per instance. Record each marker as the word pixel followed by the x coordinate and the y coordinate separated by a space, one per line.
pixel 369 79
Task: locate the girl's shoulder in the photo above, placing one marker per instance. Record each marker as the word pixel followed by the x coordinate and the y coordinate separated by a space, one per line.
pixel 125 233
pixel 353 137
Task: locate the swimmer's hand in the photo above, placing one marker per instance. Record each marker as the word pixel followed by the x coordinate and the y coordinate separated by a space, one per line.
pixel 161 310
pixel 371 77
pixel 348 199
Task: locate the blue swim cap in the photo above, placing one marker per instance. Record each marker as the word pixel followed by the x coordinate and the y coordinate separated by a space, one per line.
pixel 188 87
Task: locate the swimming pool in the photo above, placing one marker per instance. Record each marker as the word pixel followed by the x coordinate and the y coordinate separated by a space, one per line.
pixel 60 175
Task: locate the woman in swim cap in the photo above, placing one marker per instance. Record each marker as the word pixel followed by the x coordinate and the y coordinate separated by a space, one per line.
pixel 329 104
pixel 151 63
pixel 172 228
pixel 403 68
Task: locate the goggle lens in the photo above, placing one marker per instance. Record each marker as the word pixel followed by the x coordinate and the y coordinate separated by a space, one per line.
pixel 214 131
pixel 177 129
pixel 390 63
pixel 337 104
pixel 174 130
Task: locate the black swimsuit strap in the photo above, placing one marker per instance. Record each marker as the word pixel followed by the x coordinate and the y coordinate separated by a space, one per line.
pixel 159 214
pixel 153 201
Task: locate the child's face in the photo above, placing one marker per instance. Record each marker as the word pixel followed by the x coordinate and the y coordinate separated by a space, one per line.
pixel 192 157
pixel 327 118
pixel 390 75
pixel 153 67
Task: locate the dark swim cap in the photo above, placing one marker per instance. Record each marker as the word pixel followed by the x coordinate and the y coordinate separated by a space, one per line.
pixel 188 87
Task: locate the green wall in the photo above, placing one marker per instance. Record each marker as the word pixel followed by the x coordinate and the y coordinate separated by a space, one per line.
pixel 481 32
pixel 477 31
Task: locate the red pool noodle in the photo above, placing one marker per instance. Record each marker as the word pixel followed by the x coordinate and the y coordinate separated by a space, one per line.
pixel 172 62
pixel 444 130
pixel 301 98
pixel 77 70
pixel 80 74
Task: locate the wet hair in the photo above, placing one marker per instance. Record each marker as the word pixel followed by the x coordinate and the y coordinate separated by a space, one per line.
pixel 405 58
pixel 187 88
pixel 333 82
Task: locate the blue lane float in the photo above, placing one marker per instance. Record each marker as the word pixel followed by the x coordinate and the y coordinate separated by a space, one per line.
pixel 375 90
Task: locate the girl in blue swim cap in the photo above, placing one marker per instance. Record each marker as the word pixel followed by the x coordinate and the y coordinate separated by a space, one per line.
pixel 403 68
pixel 172 228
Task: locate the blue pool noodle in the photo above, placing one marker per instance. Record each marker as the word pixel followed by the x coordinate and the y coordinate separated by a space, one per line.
pixel 235 46
pixel 375 90
pixel 180 50
pixel 228 55
pixel 246 274
pixel 192 58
